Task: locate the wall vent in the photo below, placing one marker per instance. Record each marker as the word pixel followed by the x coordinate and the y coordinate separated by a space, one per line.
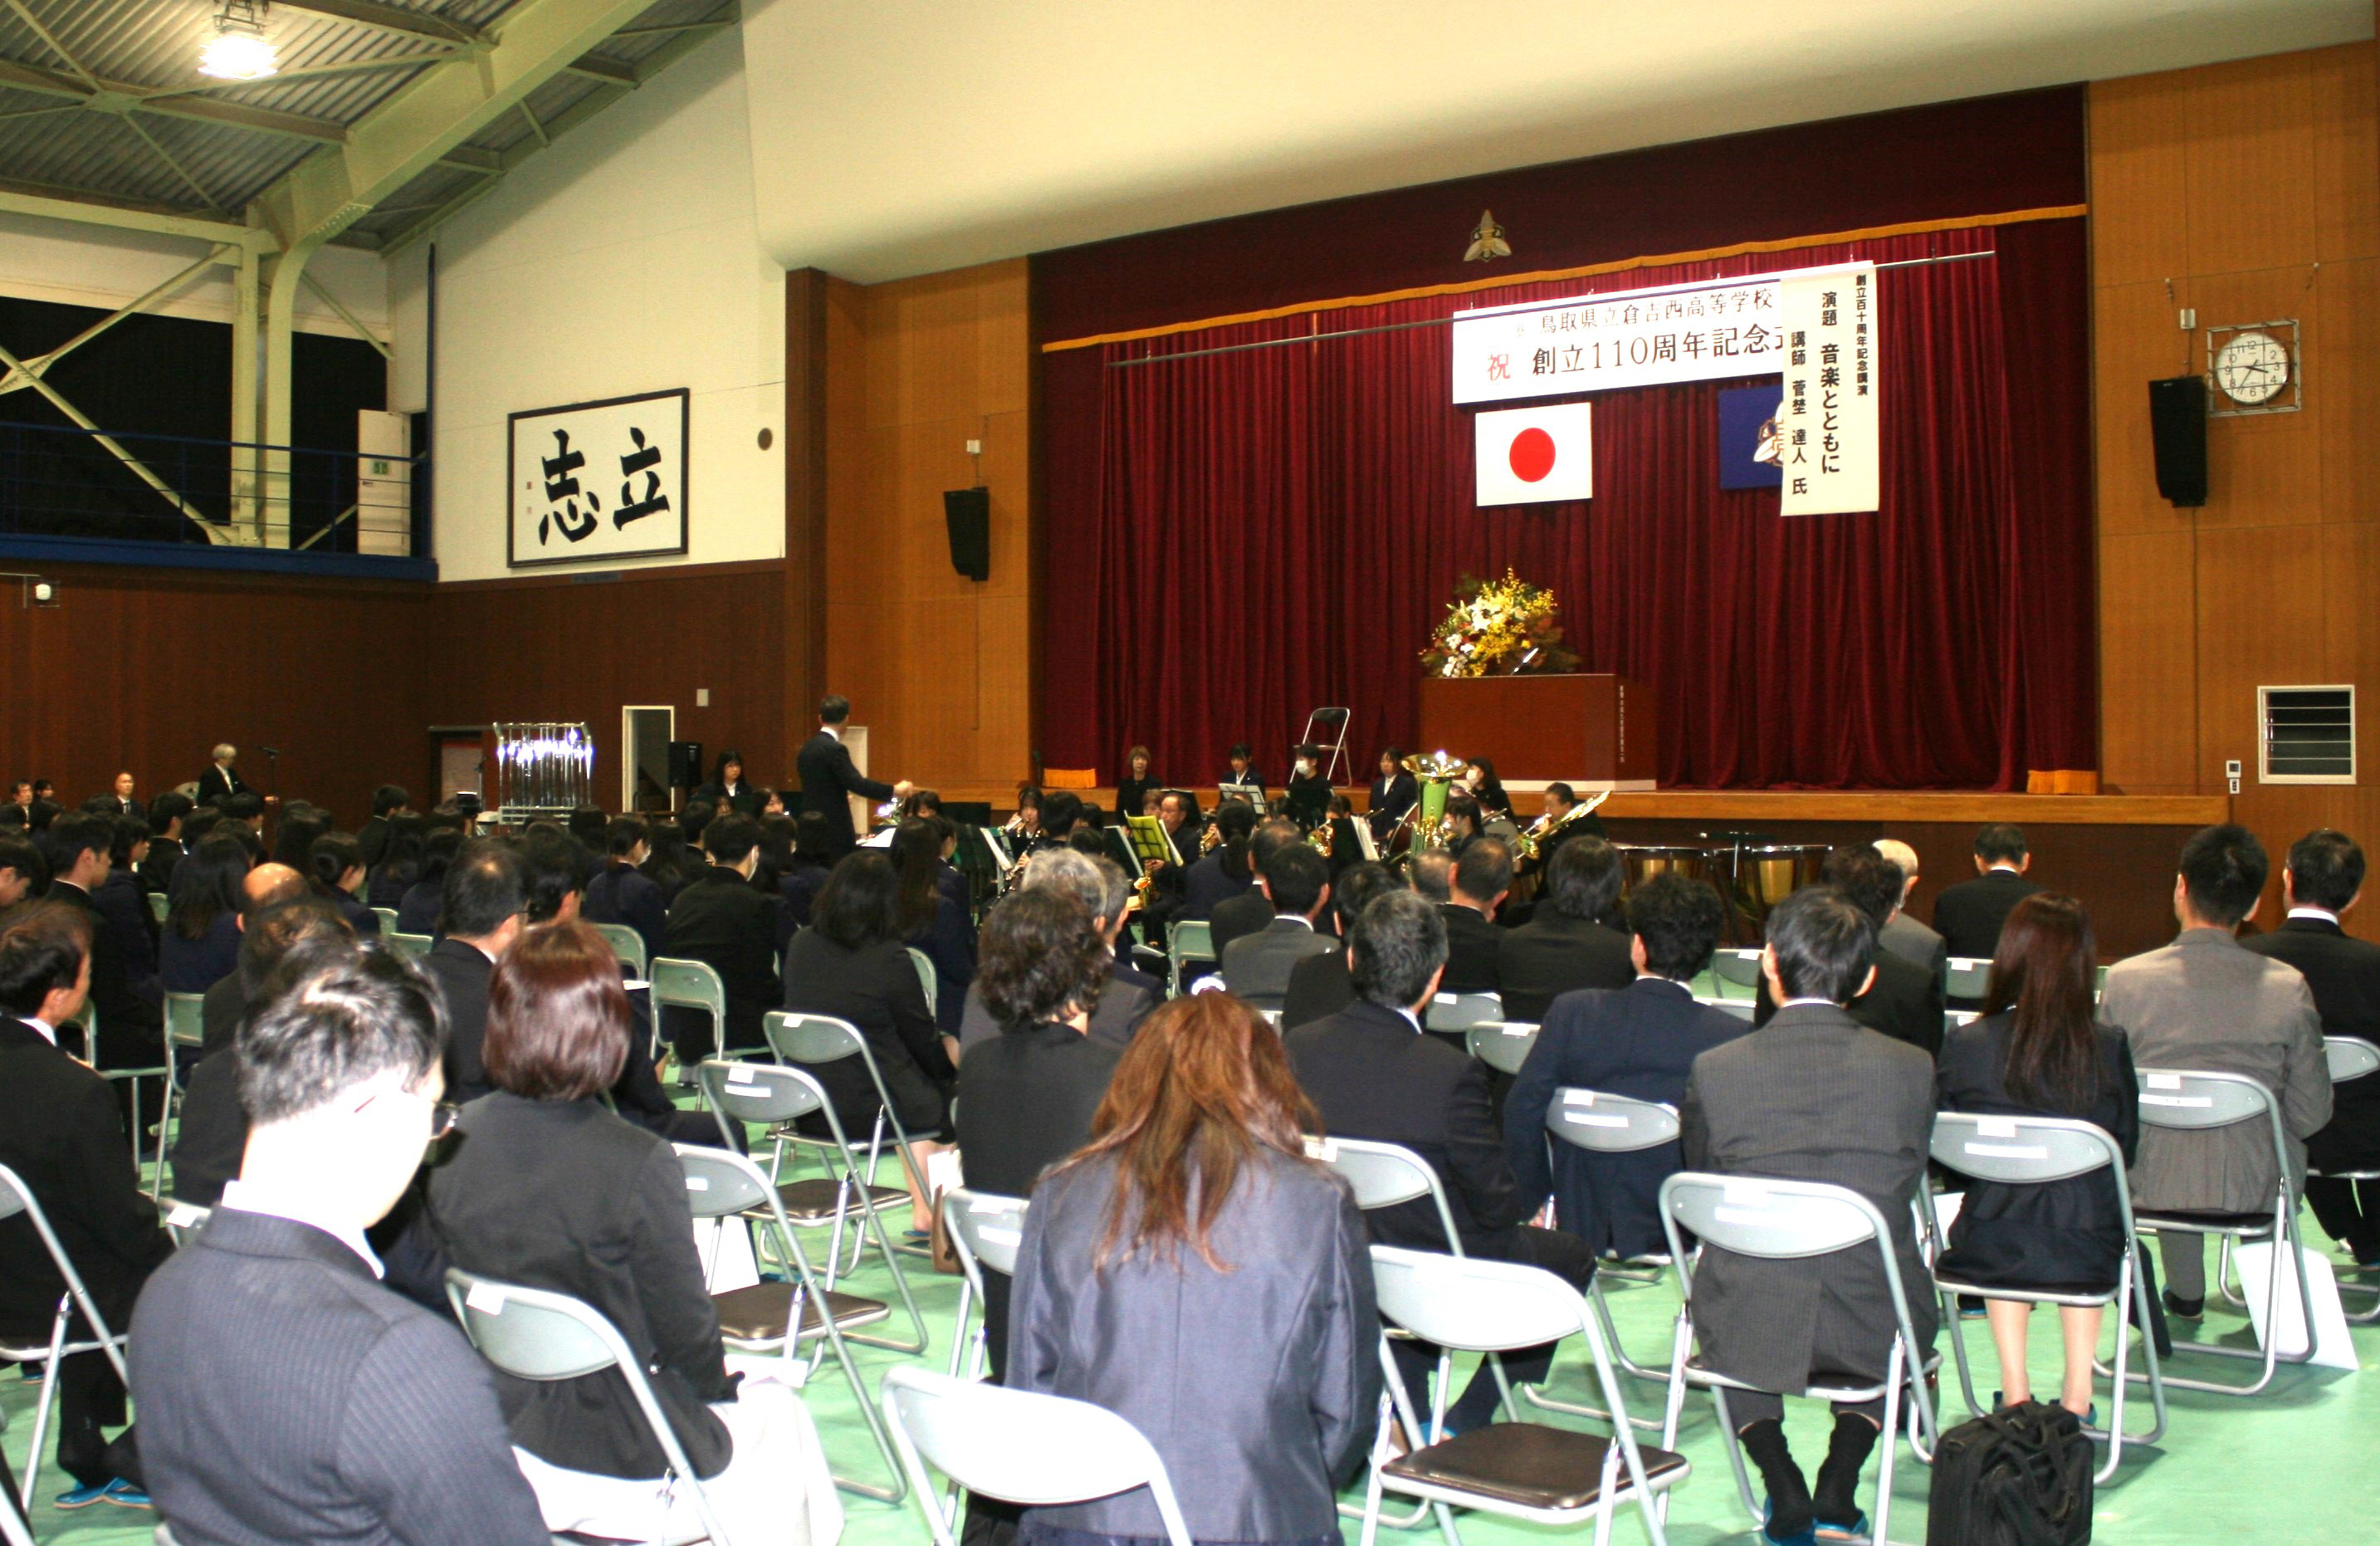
pixel 2309 734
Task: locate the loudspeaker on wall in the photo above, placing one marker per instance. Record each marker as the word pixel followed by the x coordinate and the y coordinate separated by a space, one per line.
pixel 2177 426
pixel 967 513
pixel 684 764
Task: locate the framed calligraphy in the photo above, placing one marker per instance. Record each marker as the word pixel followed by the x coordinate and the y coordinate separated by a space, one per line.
pixel 599 482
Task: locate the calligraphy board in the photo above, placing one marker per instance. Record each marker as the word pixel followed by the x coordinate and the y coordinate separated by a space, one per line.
pixel 597 481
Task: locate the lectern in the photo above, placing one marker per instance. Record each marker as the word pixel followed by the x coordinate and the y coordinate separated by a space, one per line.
pixel 1588 729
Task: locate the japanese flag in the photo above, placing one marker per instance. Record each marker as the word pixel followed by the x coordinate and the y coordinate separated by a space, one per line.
pixel 1529 455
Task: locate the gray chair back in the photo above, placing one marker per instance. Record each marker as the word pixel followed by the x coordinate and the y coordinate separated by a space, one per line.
pixel 1473 1305
pixel 986 1230
pixel 1740 967
pixel 2021 1151
pixel 1967 976
pixel 1384 1174
pixel 762 1092
pixel 387 917
pixel 1502 1045
pixel 811 1038
pixel 1742 1008
pixel 626 944
pixel 721 1182
pixel 2194 1100
pixel 1609 1124
pixel 927 977
pixel 1018 1445
pixel 1757 1216
pixel 1452 1012
pixel 185 1019
pixel 413 947
pixel 2350 1057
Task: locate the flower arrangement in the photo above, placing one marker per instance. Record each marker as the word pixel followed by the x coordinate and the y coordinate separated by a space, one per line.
pixel 1499 627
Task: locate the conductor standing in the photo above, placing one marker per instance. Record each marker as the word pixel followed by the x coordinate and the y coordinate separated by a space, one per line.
pixel 829 779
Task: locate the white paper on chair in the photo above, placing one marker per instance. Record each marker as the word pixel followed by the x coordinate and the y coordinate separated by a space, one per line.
pixel 1945 1211
pixel 942 1173
pixel 2333 1347
pixel 726 1247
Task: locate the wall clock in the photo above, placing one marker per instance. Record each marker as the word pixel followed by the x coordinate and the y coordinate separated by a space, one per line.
pixel 2253 369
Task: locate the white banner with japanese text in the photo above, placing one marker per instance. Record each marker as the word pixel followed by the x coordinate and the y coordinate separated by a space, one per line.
pixel 1828 422
pixel 1712 330
pixel 597 481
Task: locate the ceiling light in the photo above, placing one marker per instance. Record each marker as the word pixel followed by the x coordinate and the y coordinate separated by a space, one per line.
pixel 239 49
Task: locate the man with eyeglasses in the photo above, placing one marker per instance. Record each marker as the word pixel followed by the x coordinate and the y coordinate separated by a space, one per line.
pixel 285 1393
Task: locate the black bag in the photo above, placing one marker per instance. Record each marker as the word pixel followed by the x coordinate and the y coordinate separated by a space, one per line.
pixel 2019 1476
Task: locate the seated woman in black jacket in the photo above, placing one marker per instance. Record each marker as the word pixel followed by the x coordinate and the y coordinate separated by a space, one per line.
pixel 545 1188
pixel 337 866
pixel 729 790
pixel 2039 1051
pixel 198 946
pixel 934 911
pixel 853 963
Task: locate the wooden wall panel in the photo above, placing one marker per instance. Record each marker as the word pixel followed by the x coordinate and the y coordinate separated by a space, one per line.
pixel 2346 395
pixel 2137 342
pixel 2148 702
pixel 2346 194
pixel 2138 179
pixel 146 669
pixel 2251 150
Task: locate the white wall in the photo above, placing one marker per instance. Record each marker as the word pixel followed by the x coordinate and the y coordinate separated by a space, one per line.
pixel 93 266
pixel 625 259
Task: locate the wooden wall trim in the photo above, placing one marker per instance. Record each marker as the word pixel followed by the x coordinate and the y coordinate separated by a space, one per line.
pixel 618 576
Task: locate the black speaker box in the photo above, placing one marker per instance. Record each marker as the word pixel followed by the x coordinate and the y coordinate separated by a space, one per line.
pixel 967 513
pixel 2178 425
pixel 684 764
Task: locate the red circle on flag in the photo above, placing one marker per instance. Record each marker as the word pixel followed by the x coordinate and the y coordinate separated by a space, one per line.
pixel 1531 455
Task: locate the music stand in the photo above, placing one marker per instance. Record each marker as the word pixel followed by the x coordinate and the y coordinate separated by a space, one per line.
pixel 1148 842
pixel 1365 841
pixel 1251 792
pixel 1003 864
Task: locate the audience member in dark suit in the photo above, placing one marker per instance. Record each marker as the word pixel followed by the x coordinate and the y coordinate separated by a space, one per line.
pixel 1309 796
pixel 222 781
pixel 166 814
pixel 621 893
pixel 720 921
pixel 2037 1051
pixel 486 894
pixel 1904 1001
pixel 121 901
pixel 730 791
pixel 213 1133
pixel 1968 916
pixel 1480 880
pixel 1137 783
pixel 1393 795
pixel 1562 948
pixel 1815 1096
pixel 1125 999
pixel 264 887
pixel 1228 871
pixel 1241 769
pixel 2204 1002
pixel 813 859
pixel 1251 909
pixel 1025 1096
pixel 338 876
pixel 285 1395
pixel 851 962
pixel 1905 936
pixel 399 864
pixel 1177 1314
pixel 1321 986
pixel 61 1132
pixel 2323 879
pixel 1640 1042
pixel 23 876
pixel 829 779
pixel 1373 1075
pixel 1296 884
pixel 129 1002
pixel 934 914
pixel 389 802
pixel 546 1188
pixel 417 912
pixel 122 803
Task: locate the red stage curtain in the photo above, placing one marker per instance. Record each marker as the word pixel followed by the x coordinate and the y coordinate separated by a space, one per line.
pixel 1282 528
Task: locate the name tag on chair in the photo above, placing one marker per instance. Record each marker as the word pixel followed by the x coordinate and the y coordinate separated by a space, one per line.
pixel 1322 1149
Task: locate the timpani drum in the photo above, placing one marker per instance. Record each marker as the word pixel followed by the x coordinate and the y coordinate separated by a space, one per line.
pixel 1767 874
pixel 1646 860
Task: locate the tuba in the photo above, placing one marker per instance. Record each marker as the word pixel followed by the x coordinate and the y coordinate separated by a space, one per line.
pixel 1434 776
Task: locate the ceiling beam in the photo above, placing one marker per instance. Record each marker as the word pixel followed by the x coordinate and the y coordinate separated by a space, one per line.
pixel 390 19
pixel 124 215
pixel 610 71
pixel 434 114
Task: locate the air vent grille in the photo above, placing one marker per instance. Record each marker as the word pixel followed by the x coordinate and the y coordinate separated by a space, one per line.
pixel 2309 734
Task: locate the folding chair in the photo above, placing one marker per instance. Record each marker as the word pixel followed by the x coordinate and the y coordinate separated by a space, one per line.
pixel 1188 940
pixel 927 977
pixel 1953 1019
pixel 182 1219
pixel 626 944
pixel 387 918
pixel 1522 1470
pixel 2351 1058
pixel 16 1198
pixel 691 985
pixel 1333 720
pixel 1502 1045
pixel 2187 1101
pixel 1742 1008
pixel 778 1096
pixel 1967 977
pixel 184 1027
pixel 531 1333
pixel 985 1229
pixel 1602 1124
pixel 778 1316
pixel 159 906
pixel 413 947
pixel 1383 1175
pixel 1782 1220
pixel 1018 1445
pixel 15 1533
pixel 812 1041
pixel 1453 1013
pixel 2032 1150
pixel 1736 969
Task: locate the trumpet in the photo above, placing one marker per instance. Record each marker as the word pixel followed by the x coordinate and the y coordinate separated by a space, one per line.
pixel 1322 838
pixel 1210 838
pixel 1547 825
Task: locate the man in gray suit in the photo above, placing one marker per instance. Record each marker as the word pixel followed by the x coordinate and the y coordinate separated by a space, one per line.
pixel 1100 886
pixel 1904 936
pixel 1256 966
pixel 1812 1096
pixel 2203 1003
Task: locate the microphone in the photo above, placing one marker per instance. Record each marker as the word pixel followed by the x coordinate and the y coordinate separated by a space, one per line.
pixel 270 750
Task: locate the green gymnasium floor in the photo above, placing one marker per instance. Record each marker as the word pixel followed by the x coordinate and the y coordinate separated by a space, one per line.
pixel 2278 1467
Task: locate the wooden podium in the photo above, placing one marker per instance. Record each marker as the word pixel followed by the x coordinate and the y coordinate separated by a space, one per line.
pixel 1592 731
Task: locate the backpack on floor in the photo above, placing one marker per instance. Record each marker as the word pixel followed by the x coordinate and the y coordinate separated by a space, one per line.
pixel 2018 1476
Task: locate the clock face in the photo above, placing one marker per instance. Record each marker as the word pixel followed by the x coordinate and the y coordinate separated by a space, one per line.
pixel 2251 367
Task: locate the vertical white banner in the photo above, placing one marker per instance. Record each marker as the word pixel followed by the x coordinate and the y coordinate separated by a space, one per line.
pixel 1829 423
